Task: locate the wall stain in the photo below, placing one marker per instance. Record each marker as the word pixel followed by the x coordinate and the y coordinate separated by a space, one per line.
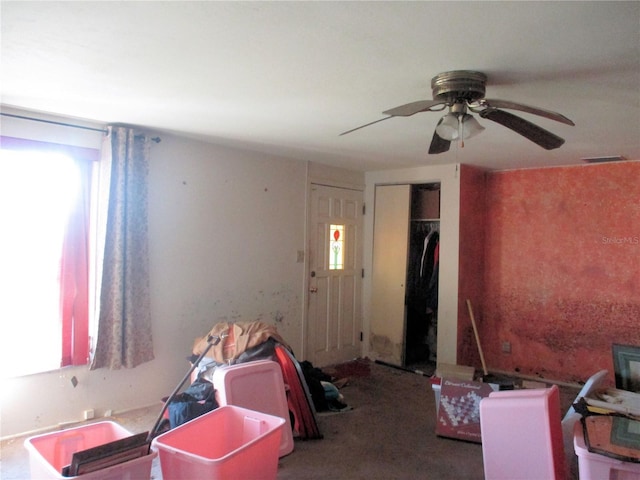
pixel 556 287
pixel 381 344
pixel 275 307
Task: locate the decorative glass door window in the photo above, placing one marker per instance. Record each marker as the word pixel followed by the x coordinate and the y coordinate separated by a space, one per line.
pixel 336 247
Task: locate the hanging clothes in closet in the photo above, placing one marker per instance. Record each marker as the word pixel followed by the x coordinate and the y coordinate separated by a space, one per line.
pixel 422 287
pixel 429 270
pixel 432 251
pixel 422 272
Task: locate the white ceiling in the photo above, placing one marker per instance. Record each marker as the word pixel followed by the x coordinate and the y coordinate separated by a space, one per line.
pixel 288 77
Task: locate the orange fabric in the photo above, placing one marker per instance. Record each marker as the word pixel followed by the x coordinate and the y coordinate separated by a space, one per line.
pixel 241 337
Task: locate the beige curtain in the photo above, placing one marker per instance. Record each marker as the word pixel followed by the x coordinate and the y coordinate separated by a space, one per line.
pixel 124 318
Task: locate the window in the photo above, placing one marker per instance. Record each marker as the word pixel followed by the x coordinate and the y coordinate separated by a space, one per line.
pixel 336 247
pixel 44 210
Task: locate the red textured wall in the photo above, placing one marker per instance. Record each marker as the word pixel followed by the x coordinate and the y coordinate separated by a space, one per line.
pixel 562 268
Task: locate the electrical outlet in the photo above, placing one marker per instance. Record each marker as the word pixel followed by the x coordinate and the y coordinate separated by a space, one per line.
pixel 506 347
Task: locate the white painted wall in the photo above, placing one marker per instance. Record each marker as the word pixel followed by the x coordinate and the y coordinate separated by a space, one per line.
pixel 449 178
pixel 225 227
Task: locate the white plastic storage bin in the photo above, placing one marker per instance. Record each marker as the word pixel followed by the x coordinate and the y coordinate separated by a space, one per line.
pixel 593 466
pixel 257 386
pixel 51 452
pixel 227 443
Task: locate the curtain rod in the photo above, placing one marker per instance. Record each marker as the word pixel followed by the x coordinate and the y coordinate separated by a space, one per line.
pixel 72 125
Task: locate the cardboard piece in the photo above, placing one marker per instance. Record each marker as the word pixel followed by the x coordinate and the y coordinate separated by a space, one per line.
pixel 455 371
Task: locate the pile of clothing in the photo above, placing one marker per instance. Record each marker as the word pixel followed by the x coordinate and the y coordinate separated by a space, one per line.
pixel 324 389
pixel 308 389
pixel 241 342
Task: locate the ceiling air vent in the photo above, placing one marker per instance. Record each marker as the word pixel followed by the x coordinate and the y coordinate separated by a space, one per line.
pixel 615 158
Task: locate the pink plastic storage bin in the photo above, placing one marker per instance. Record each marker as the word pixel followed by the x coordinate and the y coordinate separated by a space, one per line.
pixel 50 452
pixel 257 386
pixel 227 443
pixel 593 466
pixel 522 435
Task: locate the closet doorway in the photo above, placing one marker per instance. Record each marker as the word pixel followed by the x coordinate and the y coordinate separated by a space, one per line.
pixel 423 277
pixel 406 274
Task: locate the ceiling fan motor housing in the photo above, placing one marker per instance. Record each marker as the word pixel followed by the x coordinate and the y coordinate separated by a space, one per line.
pixel 459 85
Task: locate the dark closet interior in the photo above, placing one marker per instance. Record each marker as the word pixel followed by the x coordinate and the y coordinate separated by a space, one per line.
pixel 421 319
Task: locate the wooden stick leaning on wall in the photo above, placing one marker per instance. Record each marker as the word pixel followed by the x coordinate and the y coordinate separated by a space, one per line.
pixel 475 332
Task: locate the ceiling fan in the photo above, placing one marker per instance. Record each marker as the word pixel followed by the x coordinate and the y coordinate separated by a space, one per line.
pixel 462 91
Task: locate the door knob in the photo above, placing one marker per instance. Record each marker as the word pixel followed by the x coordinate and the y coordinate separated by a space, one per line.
pixel 313 289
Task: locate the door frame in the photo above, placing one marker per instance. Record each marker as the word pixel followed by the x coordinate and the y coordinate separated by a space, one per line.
pixel 449 304
pixel 333 177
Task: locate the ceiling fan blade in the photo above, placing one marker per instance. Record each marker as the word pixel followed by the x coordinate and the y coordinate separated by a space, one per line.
pixel 438 144
pixel 365 125
pixel 536 134
pixel 495 103
pixel 403 111
pixel 413 108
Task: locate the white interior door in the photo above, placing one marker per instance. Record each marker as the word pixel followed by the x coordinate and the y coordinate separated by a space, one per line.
pixel 334 307
pixel 388 282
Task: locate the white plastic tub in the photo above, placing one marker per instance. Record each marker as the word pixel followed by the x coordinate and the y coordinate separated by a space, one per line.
pixel 227 443
pixel 50 452
pixel 256 386
pixel 593 466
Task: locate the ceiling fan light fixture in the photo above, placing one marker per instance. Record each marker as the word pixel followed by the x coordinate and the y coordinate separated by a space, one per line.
pixel 449 127
pixel 470 126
